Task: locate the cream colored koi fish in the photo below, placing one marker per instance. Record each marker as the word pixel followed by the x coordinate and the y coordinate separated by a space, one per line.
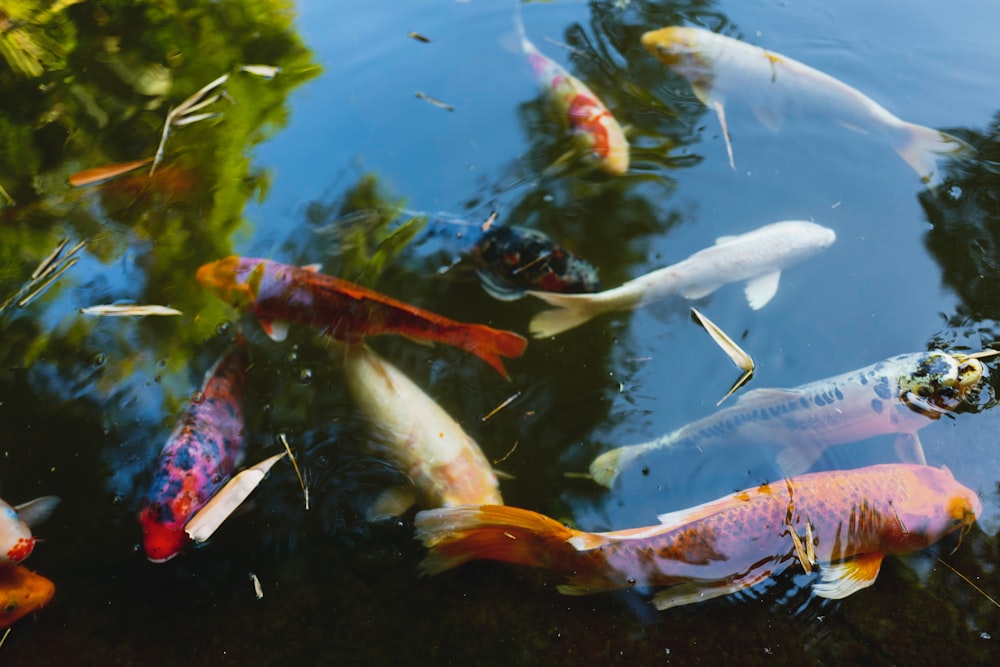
pixel 899 395
pixel 756 257
pixel 446 466
pixel 721 68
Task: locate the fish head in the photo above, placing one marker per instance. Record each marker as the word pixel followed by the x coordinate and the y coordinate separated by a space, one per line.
pixel 933 505
pixel 161 539
pixel 21 593
pixel 233 279
pixel 673 46
pixel 939 382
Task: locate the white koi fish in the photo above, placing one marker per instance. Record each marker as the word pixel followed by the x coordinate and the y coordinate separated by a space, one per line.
pixel 899 395
pixel 446 466
pixel 756 257
pixel 720 68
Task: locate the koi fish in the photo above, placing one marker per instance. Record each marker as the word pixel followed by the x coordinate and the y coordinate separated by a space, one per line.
pixel 16 540
pixel 843 522
pixel 721 67
pixel 513 259
pixel 278 293
pixel 594 128
pixel 899 395
pixel 22 592
pixel 205 447
pixel 756 257
pixel 446 466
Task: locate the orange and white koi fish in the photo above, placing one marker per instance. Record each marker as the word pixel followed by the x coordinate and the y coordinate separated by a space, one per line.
pixel 21 593
pixel 446 466
pixel 842 522
pixel 16 540
pixel 279 293
pixel 721 68
pixel 592 124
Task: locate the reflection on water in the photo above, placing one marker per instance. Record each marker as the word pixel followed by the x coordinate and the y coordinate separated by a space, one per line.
pixel 86 403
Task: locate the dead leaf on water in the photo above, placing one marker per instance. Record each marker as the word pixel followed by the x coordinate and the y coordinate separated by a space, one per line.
pixel 435 101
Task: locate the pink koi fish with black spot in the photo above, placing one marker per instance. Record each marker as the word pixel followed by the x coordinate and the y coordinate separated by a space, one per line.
pixel 205 447
pixel 591 123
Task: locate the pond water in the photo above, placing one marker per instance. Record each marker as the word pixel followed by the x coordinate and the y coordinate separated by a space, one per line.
pixel 86 403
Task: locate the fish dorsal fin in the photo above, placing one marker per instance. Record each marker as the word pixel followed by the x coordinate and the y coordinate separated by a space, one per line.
pixel 769 117
pixel 276 330
pixel 682 517
pixel 703 91
pixel 36 511
pixel 762 289
pixel 838 580
pixel 312 268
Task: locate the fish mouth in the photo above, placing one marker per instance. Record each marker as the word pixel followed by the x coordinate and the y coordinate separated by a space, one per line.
pixel 941 383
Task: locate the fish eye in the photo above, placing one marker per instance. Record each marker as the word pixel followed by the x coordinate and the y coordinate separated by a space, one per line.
pixel 10 607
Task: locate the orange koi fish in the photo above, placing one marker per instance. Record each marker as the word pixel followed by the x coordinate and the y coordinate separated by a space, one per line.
pixel 843 522
pixel 592 125
pixel 279 293
pixel 22 592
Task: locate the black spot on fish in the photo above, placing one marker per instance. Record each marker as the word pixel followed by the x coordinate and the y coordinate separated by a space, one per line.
pixel 863 379
pixel 877 406
pixel 839 394
pixel 882 389
pixel 819 400
pixel 804 402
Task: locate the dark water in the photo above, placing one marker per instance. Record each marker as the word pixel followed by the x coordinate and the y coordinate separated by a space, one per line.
pixel 85 403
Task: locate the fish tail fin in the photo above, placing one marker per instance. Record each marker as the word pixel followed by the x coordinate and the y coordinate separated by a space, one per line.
pixel 571 310
pixel 922 146
pixel 605 468
pixel 519 25
pixel 491 344
pixel 456 535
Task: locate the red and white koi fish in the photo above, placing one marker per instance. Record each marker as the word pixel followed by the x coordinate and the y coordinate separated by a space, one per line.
pixel 446 466
pixel 205 447
pixel 842 522
pixel 594 127
pixel 757 257
pixel 720 68
pixel 279 293
pixel 21 593
pixel 16 540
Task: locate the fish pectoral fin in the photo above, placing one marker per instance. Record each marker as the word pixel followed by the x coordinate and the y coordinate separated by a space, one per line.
pixel 762 289
pixel 769 117
pixel 312 268
pixel 496 288
pixel 587 541
pixel 420 341
pixel 36 511
pixel 720 111
pixel 391 503
pixel 799 458
pixel 276 330
pixel 838 580
pixel 909 449
pixel 690 592
pixel 698 291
